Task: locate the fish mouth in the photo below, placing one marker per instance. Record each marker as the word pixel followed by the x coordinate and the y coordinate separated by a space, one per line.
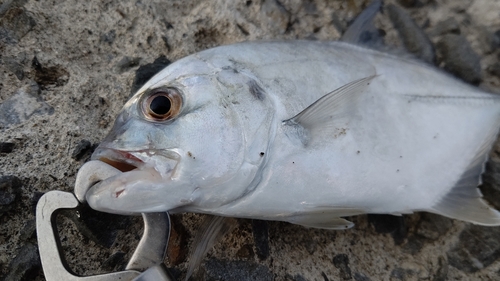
pixel 121 160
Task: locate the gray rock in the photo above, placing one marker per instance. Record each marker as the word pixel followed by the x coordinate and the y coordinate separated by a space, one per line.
pixel 25 103
pixel 9 189
pixel 26 265
pixel 414 38
pixel 444 27
pixel 478 247
pixel 459 58
pixel 225 270
pixel 341 261
pixel 275 16
pixel 15 24
pixel 14 66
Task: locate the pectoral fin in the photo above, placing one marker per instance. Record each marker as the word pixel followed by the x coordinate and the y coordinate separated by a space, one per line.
pixel 333 107
pixel 325 217
pixel 362 31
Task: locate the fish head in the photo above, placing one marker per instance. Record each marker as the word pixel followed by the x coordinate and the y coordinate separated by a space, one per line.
pixel 181 146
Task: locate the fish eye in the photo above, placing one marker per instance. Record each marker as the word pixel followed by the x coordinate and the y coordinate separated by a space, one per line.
pixel 162 104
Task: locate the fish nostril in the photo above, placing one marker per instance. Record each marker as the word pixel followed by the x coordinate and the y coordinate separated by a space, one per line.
pixel 122 166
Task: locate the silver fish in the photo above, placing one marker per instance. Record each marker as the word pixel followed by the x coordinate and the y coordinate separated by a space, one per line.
pixel 306 132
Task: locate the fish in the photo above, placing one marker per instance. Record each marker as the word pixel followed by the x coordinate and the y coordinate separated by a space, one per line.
pixel 306 132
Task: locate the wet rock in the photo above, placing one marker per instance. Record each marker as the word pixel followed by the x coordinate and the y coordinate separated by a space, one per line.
pixel 145 72
pixel 393 225
pixel 15 24
pixel 101 228
pixel 225 270
pixel 84 147
pixel 459 58
pixel 6 147
pixel 109 37
pixel 126 63
pixel 26 265
pixel 9 189
pixel 260 231
pixel 53 75
pixel 477 248
pixel 414 39
pixel 25 103
pixel 274 16
pixel 341 262
pixel 447 26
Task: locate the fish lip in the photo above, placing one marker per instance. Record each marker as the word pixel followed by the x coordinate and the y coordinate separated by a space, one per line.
pixel 124 161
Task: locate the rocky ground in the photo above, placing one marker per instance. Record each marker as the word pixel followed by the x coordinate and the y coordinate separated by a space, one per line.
pixel 67 67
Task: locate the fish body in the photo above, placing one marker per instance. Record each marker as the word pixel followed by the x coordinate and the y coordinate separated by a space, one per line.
pixel 301 131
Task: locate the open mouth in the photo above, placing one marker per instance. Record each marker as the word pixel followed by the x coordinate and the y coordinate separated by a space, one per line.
pixel 121 160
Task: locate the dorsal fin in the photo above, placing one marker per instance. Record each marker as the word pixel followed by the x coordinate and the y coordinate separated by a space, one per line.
pixel 362 31
pixel 333 106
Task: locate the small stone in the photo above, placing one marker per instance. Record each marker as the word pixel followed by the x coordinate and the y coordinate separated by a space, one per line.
pixel 245 252
pixel 109 37
pixel 459 58
pixel 21 106
pixel 15 24
pixel 6 147
pixel 126 63
pixel 341 262
pixel 236 270
pixel 477 248
pixel 82 148
pixel 260 231
pixel 447 26
pixel 26 265
pixel 145 72
pixel 414 38
pixel 274 16
pixel 9 189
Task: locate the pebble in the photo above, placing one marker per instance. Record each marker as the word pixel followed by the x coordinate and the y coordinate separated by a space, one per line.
pixel 477 248
pixel 145 72
pixel 414 38
pixel 26 265
pixel 22 105
pixel 274 16
pixel 9 189
pixel 459 58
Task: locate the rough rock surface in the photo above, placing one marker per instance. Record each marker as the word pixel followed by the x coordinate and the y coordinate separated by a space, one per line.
pixel 68 66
